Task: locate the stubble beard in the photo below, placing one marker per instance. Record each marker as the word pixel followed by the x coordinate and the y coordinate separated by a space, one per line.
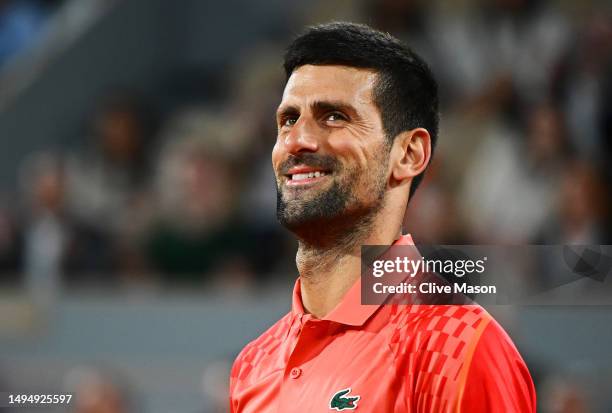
pixel 336 218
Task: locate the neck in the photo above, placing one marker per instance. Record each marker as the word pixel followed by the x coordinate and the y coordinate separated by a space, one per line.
pixel 328 271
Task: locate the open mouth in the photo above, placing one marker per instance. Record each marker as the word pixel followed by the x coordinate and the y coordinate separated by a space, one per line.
pixel 301 176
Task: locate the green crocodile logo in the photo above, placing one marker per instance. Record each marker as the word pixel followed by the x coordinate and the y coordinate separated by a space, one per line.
pixel 340 400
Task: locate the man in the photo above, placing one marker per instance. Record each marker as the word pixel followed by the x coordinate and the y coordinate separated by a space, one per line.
pixel 356 128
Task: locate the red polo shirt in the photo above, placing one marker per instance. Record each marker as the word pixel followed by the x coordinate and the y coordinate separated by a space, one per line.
pixel 389 358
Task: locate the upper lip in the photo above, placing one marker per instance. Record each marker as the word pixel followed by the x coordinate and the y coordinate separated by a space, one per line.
pixel 303 169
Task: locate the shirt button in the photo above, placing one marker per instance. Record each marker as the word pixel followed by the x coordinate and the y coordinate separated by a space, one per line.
pixel 295 373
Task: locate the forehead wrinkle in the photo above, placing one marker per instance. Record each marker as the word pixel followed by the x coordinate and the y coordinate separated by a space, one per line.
pixel 332 77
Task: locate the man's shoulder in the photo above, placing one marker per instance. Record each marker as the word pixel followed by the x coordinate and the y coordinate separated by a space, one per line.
pixel 266 343
pixel 470 350
pixel 450 330
pixel 459 330
pixel 459 321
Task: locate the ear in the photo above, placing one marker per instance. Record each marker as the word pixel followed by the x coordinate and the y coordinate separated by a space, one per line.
pixel 410 154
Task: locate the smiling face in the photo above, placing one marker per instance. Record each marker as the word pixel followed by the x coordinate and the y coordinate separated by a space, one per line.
pixel 331 153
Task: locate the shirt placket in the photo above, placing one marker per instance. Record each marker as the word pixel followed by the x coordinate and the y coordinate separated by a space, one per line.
pixel 306 336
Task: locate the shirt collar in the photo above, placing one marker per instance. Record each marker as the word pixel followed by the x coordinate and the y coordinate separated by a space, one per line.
pixel 349 311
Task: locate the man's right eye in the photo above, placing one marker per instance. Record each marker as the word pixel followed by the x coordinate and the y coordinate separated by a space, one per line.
pixel 289 121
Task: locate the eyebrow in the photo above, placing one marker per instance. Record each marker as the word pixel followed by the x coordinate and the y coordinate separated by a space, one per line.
pixel 331 105
pixel 318 106
pixel 288 110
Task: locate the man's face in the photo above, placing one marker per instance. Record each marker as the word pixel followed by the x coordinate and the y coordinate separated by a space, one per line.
pixel 331 154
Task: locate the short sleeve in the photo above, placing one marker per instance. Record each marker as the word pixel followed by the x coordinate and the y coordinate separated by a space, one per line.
pixel 497 379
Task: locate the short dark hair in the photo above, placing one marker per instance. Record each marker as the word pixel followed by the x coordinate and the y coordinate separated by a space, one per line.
pixel 405 92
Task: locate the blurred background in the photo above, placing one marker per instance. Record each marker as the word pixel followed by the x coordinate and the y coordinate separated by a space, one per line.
pixel 139 250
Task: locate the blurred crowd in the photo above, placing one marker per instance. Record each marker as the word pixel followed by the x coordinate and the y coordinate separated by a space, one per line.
pixel 152 192
pixel 139 203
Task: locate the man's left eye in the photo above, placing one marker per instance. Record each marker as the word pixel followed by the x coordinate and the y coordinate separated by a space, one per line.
pixel 335 117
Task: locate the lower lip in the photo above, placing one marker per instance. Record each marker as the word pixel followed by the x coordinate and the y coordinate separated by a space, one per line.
pixel 305 182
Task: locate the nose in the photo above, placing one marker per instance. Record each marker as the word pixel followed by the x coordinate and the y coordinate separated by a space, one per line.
pixel 302 137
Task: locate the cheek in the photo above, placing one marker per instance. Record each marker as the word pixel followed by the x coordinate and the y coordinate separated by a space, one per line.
pixel 349 151
pixel 276 155
pixel 363 156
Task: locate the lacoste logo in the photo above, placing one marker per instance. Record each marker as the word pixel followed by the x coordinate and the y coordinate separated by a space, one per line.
pixel 340 400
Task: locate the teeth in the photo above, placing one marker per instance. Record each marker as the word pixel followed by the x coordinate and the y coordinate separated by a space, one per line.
pixel 309 175
pixel 299 177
